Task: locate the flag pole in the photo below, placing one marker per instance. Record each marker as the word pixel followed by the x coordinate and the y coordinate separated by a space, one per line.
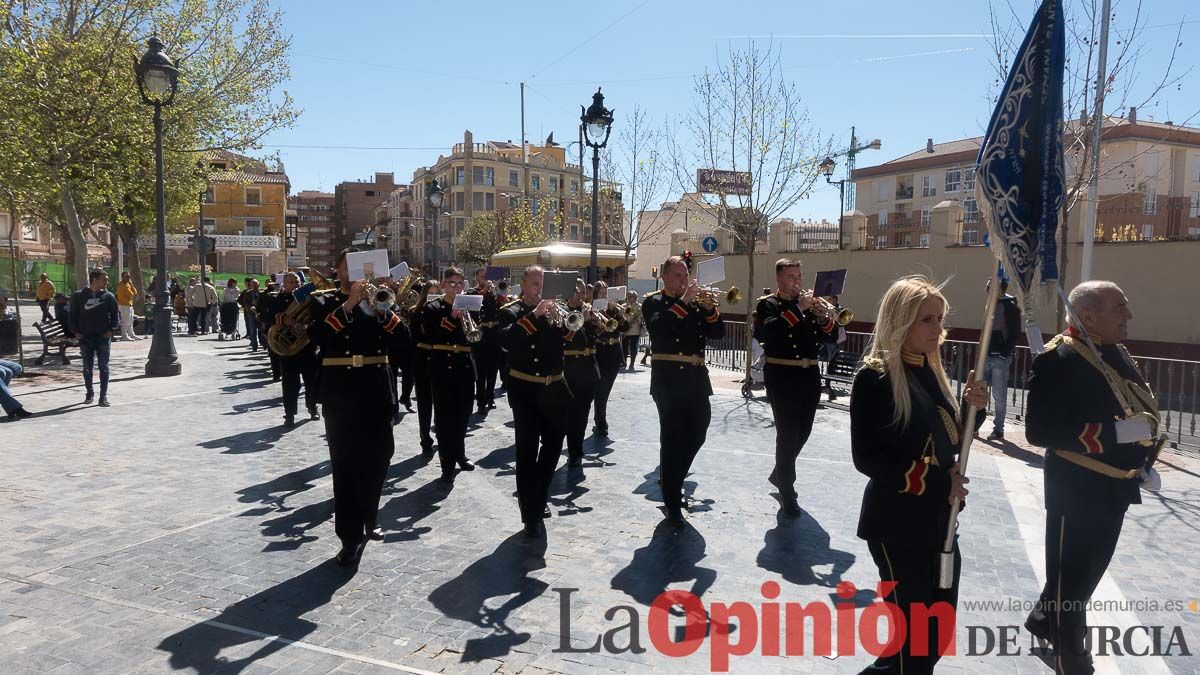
pixel 1089 222
pixel 946 559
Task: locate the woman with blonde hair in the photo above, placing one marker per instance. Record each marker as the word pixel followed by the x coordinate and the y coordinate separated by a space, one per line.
pixel 905 426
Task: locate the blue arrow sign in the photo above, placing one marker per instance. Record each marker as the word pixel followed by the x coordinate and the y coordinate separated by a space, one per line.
pixel 709 244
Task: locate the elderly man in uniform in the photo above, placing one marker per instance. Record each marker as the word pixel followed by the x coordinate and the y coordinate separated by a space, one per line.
pixel 678 327
pixel 299 366
pixel 1097 418
pixel 537 393
pixel 356 396
pixel 792 328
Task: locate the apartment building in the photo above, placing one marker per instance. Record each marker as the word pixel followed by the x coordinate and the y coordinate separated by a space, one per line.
pixel 1149 187
pixel 354 206
pixel 315 227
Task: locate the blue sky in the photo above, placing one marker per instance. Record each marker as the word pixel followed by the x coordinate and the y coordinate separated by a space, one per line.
pixel 417 74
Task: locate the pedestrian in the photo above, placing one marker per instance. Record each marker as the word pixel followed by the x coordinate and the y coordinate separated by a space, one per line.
pixel 452 373
pixel 197 306
pixel 299 366
pixel 126 292
pixel 905 426
pixel 229 308
pixel 94 319
pixel 608 356
pixel 633 334
pixel 14 409
pixel 1098 420
pixel 354 339
pixel 45 293
pixel 248 299
pixel 679 327
pixel 212 305
pixel 1006 331
pixel 62 312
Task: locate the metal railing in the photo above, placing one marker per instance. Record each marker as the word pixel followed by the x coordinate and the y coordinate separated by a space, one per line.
pixel 1175 382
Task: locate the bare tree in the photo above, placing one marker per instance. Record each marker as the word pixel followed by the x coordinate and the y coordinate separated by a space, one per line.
pixel 746 117
pixel 1125 87
pixel 639 165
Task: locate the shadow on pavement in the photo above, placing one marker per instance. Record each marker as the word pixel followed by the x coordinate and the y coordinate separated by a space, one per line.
pixel 250 441
pixel 277 490
pixel 272 616
pixel 500 574
pixel 565 490
pixel 796 545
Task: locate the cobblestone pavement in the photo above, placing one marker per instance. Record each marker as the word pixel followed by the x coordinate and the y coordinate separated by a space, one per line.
pixel 185 529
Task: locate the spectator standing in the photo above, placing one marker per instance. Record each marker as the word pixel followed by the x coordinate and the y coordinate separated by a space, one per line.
pixel 632 334
pixel 9 370
pixel 125 295
pixel 210 297
pixel 45 293
pixel 199 298
pixel 1006 330
pixel 62 311
pixel 249 302
pixel 94 319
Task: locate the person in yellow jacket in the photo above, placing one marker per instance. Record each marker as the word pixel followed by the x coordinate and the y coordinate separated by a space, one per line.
pixel 45 293
pixel 126 292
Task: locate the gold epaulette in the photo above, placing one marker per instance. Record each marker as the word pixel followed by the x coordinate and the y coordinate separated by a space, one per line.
pixel 764 297
pixel 658 292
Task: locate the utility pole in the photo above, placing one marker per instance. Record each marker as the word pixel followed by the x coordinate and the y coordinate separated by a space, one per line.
pixel 1089 220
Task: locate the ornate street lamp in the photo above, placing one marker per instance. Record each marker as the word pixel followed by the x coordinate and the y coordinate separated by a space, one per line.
pixel 597 125
pixel 158 80
pixel 434 195
pixel 827 166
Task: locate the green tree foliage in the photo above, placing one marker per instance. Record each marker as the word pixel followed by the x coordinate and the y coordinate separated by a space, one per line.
pixel 77 140
pixel 489 233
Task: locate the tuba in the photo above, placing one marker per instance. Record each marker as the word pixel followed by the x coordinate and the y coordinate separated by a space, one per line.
pixel 408 294
pixel 287 340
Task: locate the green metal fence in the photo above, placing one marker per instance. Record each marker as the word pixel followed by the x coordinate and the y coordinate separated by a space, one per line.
pixel 29 272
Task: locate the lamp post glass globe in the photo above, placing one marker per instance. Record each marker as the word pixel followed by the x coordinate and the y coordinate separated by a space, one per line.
pixel 827 166
pixel 596 131
pixel 157 76
pixel 435 194
pixel 597 121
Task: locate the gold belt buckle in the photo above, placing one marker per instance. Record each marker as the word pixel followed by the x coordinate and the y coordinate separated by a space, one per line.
pixel 356 361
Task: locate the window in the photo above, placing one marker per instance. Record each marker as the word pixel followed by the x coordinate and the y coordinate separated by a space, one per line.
pixel 477 175
pixel 1151 164
pixel 459 224
pixel 908 240
pixel 458 201
pixel 29 231
pixel 253 228
pixel 460 175
pixel 533 205
pixel 318 230
pixel 883 217
pixel 369 193
pixel 575 186
pixel 953 180
pixel 926 217
pixel 210 225
pixel 970 237
pixel 881 241
pixel 536 181
pixel 924 240
pixel 254 264
pixel 573 232
pixel 575 208
pixel 1147 232
pixel 970 210
pixel 514 179
pixel 489 201
pixel 477 201
pixel 1150 205
pixel 928 189
pixel 210 195
pixel 554 185
pixel 969 179
pixel 904 187
pixel 885 190
pixel 253 196
pixel 1194 212
pixel 5 226
pixel 489 177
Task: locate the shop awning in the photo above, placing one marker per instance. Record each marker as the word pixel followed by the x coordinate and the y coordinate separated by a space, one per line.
pixel 562 255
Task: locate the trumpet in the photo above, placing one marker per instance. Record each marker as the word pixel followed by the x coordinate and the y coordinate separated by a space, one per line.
pixel 711 296
pixel 474 334
pixel 603 318
pixel 563 316
pixel 382 297
pixel 823 309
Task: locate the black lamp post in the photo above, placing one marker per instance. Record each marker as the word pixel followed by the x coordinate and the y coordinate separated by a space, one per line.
pixel 158 80
pixel 827 166
pixel 597 125
pixel 434 195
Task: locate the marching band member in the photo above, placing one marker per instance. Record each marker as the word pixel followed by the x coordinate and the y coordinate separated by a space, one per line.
pixel 1097 418
pixel 791 334
pixel 356 395
pixel 905 428
pixel 420 372
pixel 486 352
pixel 301 365
pixel 609 358
pixel 537 393
pixel 582 376
pixel 451 373
pixel 679 384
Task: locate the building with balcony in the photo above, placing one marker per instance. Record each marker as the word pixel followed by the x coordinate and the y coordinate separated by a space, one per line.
pixel 40 250
pixel 354 204
pixel 315 228
pixel 480 178
pixel 1149 187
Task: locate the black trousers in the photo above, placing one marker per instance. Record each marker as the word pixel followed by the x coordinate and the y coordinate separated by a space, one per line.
pixel 302 366
pixel 452 379
pixel 583 379
pixel 197 318
pixel 629 345
pixel 487 357
pixel 424 391
pixel 915 571
pixel 360 450
pixel 1078 550
pixel 407 372
pixel 794 394
pixel 683 419
pixel 609 358
pixel 45 305
pixel 539 415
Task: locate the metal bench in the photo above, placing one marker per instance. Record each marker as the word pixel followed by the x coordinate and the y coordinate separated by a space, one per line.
pixel 54 336
pixel 841 369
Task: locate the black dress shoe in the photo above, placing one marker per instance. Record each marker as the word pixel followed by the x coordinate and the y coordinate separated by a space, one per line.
pixel 20 414
pixel 87 400
pixel 1038 627
pixel 427 451
pixel 600 430
pixel 313 414
pixel 466 465
pixel 533 530
pixel 407 405
pixel 289 421
pixel 447 477
pixel 375 534
pixel 350 555
pixel 104 402
pixel 547 513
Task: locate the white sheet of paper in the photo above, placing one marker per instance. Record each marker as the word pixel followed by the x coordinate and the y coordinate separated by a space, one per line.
pixel 709 272
pixel 617 293
pixel 471 303
pixel 432 296
pixel 399 272
pixel 600 304
pixel 375 261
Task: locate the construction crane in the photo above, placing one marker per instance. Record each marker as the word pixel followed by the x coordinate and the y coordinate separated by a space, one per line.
pixel 850 153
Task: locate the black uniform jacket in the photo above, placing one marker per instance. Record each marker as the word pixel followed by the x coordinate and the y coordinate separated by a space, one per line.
pixel 488 316
pixel 906 500
pixel 266 309
pixel 608 343
pixel 438 327
pixel 534 345
pixel 581 369
pixel 277 306
pixel 1072 408
pixel 787 332
pixel 340 335
pixel 678 328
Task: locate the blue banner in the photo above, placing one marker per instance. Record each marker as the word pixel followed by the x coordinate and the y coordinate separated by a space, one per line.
pixel 1020 176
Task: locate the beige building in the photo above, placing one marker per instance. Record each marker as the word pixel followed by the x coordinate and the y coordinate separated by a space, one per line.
pixel 315 229
pixel 1149 187
pixel 479 178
